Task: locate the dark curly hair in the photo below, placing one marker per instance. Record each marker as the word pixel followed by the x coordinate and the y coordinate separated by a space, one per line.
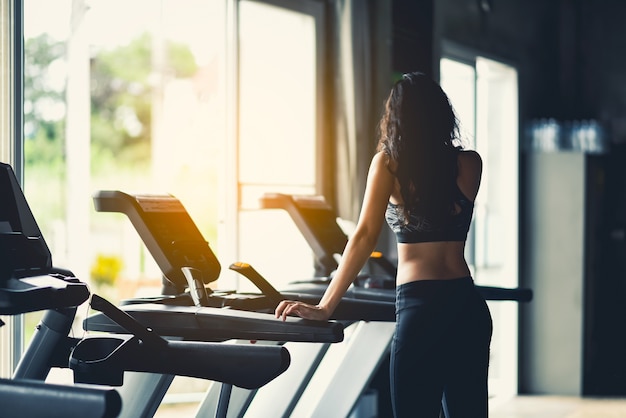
pixel 419 131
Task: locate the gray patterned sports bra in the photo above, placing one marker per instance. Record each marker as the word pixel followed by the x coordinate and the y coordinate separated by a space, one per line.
pixel 421 229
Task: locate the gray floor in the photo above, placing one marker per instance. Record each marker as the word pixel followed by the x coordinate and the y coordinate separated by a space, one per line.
pixel 518 407
pixel 559 407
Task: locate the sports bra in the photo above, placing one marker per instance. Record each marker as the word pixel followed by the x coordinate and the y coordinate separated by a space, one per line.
pixel 422 229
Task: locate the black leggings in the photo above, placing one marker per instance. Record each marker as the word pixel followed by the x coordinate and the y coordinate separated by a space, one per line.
pixel 440 350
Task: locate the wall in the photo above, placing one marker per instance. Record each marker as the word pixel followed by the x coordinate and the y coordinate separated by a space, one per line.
pixel 568 54
pixel 553 345
pixel 523 33
pixel 603 64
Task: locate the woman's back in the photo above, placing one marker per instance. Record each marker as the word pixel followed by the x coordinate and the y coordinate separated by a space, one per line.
pixel 442 258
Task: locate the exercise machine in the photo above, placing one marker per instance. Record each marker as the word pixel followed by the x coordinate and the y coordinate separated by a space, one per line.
pixel 189 309
pixel 29 282
pixel 162 223
pixel 189 265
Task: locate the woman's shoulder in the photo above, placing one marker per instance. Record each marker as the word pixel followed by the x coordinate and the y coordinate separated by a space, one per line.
pixel 470 156
pixel 470 170
pixel 470 160
pixel 383 160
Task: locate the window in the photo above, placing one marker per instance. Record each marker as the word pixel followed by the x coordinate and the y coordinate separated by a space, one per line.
pixel 201 99
pixel 174 105
pixel 139 109
pixel 11 332
pixel 484 94
pixel 279 130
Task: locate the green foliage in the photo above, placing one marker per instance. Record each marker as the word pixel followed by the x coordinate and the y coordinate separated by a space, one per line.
pixel 121 99
pixel 41 93
pixel 40 53
pixel 180 60
pixel 44 146
pixel 44 152
pixel 122 93
pixel 45 189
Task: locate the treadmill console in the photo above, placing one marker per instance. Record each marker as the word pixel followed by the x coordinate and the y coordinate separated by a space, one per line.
pixel 168 232
pixel 317 221
pixel 28 281
pixel 22 248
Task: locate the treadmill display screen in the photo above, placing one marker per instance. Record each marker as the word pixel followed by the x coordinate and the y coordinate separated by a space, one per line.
pixel 168 232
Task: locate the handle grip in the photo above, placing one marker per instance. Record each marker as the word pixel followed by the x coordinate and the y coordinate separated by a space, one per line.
pixel 259 281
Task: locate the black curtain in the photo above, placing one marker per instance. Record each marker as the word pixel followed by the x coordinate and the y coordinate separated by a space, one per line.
pixel 361 78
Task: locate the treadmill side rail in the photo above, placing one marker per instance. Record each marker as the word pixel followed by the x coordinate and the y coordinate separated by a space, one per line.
pixel 218 324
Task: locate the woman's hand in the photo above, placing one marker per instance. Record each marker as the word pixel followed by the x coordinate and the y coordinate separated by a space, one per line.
pixel 301 309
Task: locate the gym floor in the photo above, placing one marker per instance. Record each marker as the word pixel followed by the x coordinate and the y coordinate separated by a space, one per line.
pixel 518 407
pixel 559 407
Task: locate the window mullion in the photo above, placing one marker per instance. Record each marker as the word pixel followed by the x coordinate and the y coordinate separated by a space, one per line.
pixel 11 108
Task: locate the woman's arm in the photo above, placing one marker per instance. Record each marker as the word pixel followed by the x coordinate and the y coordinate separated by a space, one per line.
pixel 379 186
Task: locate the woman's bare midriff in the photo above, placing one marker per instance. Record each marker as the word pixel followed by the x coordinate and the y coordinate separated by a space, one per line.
pixel 431 261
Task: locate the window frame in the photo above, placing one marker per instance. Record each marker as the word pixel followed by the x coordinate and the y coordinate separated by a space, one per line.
pixel 11 147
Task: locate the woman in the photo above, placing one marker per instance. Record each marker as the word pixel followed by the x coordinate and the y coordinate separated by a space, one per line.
pixel 424 186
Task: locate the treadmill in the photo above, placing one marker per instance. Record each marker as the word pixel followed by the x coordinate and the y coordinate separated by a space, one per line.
pixel 189 265
pixel 29 282
pixel 172 238
pixel 189 310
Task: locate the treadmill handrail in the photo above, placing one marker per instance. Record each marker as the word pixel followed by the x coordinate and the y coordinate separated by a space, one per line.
pixel 219 324
pixel 41 292
pixel 103 360
pixel 249 272
pixel 32 398
pixel 126 321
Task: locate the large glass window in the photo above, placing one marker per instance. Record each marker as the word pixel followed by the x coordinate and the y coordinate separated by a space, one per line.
pixel 202 99
pixel 125 96
pixel 279 92
pixel 10 333
pixel 121 95
pixel 484 94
